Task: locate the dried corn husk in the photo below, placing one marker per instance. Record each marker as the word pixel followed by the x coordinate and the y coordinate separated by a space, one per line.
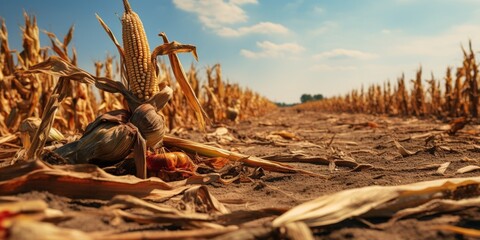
pixel 108 139
pixel 150 123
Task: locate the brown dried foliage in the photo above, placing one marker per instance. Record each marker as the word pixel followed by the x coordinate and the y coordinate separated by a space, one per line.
pixel 451 99
pixel 23 96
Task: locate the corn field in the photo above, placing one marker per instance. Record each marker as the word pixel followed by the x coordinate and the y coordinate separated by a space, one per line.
pixel 455 95
pixel 101 156
pixel 24 96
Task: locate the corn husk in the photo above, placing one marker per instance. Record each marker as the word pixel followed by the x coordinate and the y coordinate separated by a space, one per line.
pixel 106 140
pixel 150 124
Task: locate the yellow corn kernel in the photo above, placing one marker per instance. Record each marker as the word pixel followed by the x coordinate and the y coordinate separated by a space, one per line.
pixel 140 70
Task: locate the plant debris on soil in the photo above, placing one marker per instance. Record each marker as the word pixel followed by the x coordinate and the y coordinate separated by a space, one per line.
pixel 132 165
pixel 345 153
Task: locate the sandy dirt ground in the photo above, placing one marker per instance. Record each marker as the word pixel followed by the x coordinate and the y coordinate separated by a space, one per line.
pixel 289 134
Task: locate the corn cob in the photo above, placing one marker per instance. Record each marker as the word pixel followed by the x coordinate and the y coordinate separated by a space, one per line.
pixel 140 71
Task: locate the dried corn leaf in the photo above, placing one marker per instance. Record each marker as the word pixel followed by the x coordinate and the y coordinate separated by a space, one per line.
pixel 467 169
pixel 183 82
pixel 25 229
pixel 161 217
pixel 56 66
pixel 127 201
pixel 160 214
pixel 404 152
pixel 286 135
pixel 436 206
pixel 298 231
pixel 200 194
pixel 8 138
pixel 112 37
pixel 443 167
pixel 377 201
pixel 57 46
pixel 81 181
pixel 166 235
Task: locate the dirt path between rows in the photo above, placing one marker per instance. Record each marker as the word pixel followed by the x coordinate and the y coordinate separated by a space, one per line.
pixel 288 134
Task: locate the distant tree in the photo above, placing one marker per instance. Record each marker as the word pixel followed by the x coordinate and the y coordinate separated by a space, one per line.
pixel 317 97
pixel 305 98
pixel 308 97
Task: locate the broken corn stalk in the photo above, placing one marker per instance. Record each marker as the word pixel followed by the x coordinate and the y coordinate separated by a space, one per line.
pixel 209 151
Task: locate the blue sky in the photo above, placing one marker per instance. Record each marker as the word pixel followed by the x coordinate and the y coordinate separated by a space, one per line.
pixel 281 49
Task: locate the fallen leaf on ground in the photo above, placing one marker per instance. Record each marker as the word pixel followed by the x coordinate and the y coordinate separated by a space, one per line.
pixel 286 135
pixel 404 152
pixel 467 169
pixel 377 201
pixel 441 170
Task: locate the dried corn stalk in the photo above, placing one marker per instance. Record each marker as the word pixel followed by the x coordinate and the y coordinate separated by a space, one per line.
pixel 461 95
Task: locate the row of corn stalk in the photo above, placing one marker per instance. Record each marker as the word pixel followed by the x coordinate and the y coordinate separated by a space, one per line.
pixel 25 96
pixel 455 96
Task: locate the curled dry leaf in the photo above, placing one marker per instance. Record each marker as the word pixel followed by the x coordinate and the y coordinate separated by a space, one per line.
pixel 441 170
pixel 467 169
pixel 182 79
pixel 286 135
pixel 436 206
pixel 81 181
pixel 57 66
pixel 404 152
pixel 8 138
pixel 208 203
pixel 375 201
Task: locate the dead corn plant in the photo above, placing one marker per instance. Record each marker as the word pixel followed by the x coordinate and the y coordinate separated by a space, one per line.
pixel 130 120
pixel 451 99
pixel 115 134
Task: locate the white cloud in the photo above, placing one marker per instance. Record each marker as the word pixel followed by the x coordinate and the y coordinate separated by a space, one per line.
pixel 218 14
pixel 271 50
pixel 340 53
pixel 240 2
pixel 262 27
pixel 215 13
